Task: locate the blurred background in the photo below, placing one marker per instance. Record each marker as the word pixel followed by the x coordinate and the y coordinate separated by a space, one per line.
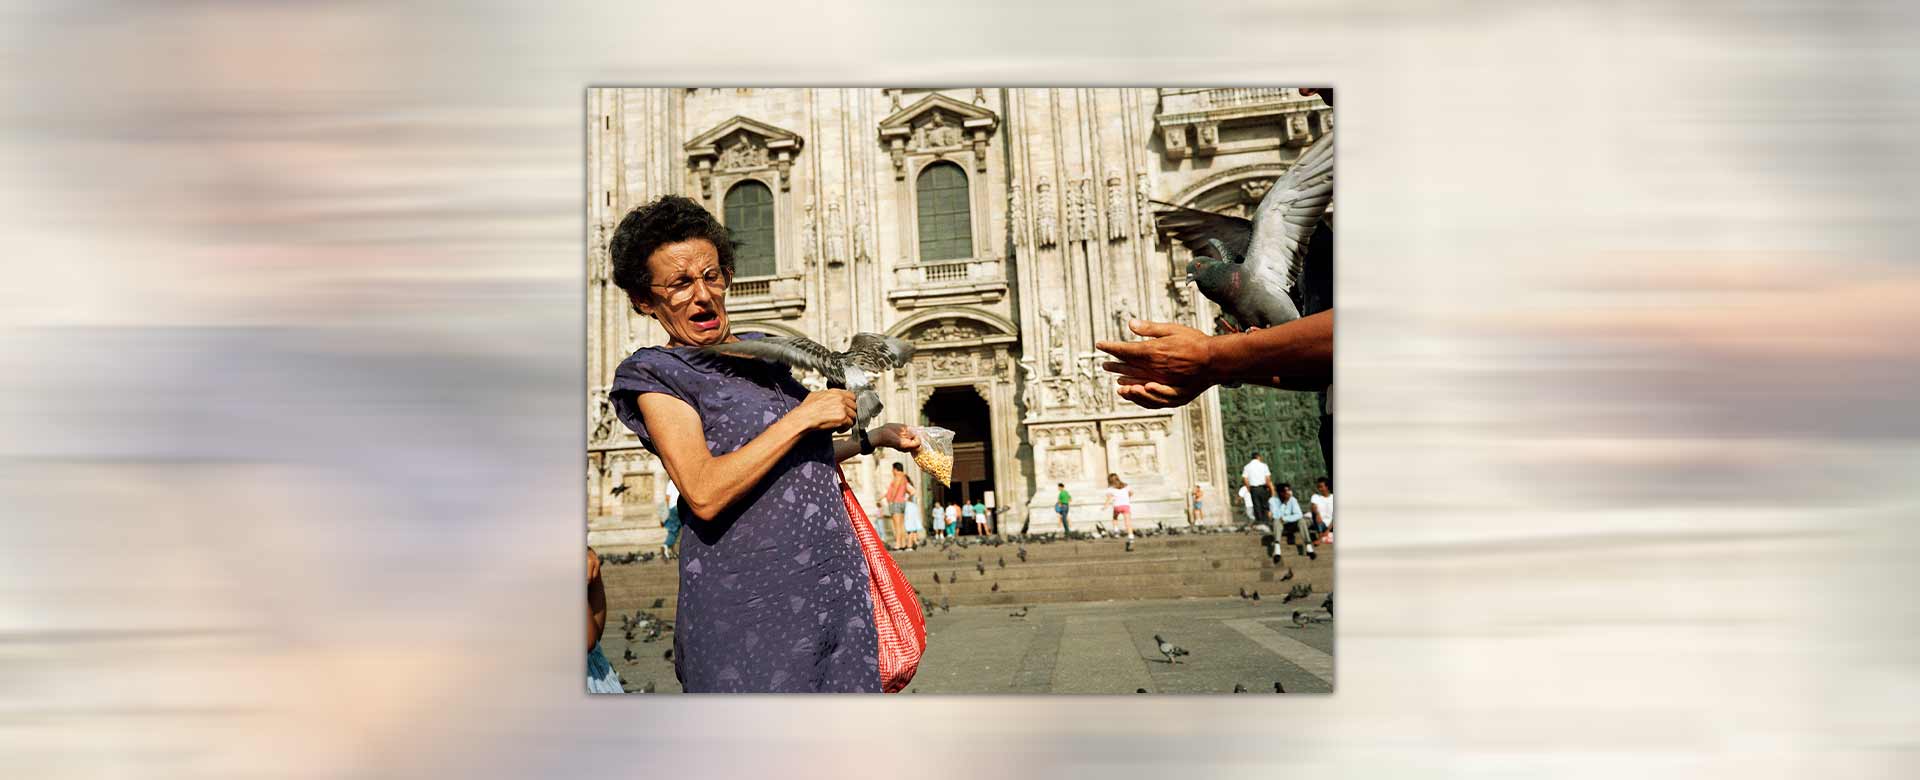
pixel 291 406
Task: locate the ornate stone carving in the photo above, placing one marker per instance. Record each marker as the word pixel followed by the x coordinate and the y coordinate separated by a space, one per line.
pixel 1093 397
pixel 742 151
pixel 1117 210
pixel 1143 200
pixel 950 330
pixel 1197 440
pixel 947 364
pixel 739 145
pixel 603 417
pixel 1048 229
pixel 936 132
pixel 1063 465
pixel 1255 189
pixel 1139 458
pixel 836 235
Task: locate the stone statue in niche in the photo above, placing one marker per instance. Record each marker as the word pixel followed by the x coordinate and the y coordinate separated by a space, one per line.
pixel 1017 216
pixel 1029 385
pixel 809 236
pixel 1116 206
pixel 1088 374
pixel 1056 340
pixel 862 236
pixel 1122 313
pixel 1049 227
pixel 836 235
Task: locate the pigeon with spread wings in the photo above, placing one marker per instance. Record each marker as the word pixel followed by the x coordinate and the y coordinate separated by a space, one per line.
pixel 1252 267
pixel 856 369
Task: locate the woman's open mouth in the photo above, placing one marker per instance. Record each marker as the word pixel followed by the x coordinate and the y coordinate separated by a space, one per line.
pixel 705 320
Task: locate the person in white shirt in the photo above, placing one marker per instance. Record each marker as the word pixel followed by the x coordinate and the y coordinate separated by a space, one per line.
pixel 1259 481
pixel 1322 505
pixel 1289 513
pixel 1120 497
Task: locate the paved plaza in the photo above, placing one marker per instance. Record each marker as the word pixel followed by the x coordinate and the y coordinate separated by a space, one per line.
pixel 1099 647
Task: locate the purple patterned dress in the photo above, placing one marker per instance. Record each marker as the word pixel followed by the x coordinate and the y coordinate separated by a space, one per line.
pixel 773 592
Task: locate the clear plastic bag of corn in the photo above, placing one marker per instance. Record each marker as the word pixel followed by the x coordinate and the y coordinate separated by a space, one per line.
pixel 935 455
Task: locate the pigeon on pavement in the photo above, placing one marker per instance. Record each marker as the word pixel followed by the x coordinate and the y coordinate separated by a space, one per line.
pixel 1168 649
pixel 868 357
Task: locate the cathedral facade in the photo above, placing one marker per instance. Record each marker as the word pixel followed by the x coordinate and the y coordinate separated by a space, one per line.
pixel 1002 230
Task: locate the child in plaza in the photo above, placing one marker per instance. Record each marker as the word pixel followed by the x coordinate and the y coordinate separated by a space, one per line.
pixel 1120 497
pixel 939 519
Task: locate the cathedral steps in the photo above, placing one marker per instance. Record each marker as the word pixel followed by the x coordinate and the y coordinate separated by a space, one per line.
pixel 1211 565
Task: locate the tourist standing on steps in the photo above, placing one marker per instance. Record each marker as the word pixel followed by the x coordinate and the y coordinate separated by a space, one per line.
pixel 1259 481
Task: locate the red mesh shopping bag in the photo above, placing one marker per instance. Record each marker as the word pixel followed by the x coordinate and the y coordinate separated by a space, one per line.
pixel 896 607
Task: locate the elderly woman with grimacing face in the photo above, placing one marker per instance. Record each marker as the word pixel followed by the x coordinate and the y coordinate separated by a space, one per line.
pixel 773 587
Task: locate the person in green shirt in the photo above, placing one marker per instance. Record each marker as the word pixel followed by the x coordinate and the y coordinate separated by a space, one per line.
pixel 1061 504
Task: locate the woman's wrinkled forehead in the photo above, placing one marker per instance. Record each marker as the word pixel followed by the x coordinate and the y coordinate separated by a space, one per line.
pixel 692 257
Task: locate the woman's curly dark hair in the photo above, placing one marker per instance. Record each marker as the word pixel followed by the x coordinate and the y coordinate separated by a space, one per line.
pixel 670 219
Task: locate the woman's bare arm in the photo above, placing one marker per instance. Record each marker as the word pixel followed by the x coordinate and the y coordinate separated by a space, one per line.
pixel 710 484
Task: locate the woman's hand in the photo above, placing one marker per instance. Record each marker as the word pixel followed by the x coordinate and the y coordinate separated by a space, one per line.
pixel 897 436
pixel 824 410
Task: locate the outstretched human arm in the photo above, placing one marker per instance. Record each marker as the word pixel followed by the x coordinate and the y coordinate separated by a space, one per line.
pixel 1177 363
pixel 709 484
pixel 596 600
pixel 895 435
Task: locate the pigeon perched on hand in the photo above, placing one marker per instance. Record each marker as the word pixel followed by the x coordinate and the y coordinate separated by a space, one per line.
pixel 856 369
pixel 1252 268
pixel 1169 649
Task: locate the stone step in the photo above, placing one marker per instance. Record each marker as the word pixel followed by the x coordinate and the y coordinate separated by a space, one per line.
pixel 1101 570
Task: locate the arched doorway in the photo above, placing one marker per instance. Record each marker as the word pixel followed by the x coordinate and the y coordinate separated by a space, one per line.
pixel 962 410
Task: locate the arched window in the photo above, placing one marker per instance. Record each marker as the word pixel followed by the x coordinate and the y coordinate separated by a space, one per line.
pixel 750 221
pixel 946 222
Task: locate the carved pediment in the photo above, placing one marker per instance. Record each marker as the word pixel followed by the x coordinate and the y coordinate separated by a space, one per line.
pixel 741 145
pixel 935 124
